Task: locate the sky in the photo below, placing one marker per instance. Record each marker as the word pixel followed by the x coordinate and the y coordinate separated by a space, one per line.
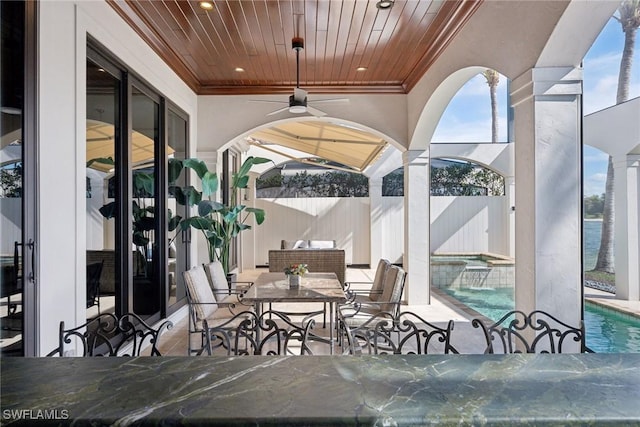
pixel 468 116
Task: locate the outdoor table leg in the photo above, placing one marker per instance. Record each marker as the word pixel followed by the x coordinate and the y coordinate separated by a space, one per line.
pixel 331 325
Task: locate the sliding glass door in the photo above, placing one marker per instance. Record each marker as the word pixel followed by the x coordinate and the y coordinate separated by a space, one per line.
pixel 18 257
pixel 134 257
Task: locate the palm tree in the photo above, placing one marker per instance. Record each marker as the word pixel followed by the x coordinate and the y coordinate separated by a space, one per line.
pixel 492 78
pixel 629 19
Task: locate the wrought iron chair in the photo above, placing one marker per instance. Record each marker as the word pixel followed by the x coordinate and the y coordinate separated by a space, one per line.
pixel 356 313
pixel 108 335
pixel 138 335
pixel 273 333
pixel 406 333
pixel 389 301
pixel 536 332
pixel 225 311
pixel 95 337
pixel 375 292
pixel 220 286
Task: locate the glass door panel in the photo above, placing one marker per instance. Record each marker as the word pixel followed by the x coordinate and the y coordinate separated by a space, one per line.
pixel 145 225
pixel 11 179
pixel 178 241
pixel 102 194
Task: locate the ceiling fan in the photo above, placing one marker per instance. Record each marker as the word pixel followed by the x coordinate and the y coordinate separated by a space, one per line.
pixel 298 102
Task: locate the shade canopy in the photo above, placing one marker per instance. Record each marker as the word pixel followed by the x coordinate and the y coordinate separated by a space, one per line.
pixel 340 143
pixel 100 144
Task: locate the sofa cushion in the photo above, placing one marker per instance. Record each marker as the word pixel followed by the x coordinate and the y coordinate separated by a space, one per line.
pixel 322 244
pixel 293 244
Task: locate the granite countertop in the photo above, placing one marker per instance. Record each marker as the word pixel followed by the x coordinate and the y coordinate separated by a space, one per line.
pixel 400 390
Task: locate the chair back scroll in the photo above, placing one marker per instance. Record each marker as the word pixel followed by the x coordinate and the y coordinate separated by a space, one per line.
pixel 536 332
pixel 406 333
pixel 108 335
pixel 271 333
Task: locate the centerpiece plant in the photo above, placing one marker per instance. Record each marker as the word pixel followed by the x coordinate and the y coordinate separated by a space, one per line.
pixel 296 270
pixel 219 223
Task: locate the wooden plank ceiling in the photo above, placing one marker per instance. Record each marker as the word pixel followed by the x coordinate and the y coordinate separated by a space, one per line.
pixel 395 45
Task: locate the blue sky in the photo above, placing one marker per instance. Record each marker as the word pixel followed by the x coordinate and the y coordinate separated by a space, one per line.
pixel 468 116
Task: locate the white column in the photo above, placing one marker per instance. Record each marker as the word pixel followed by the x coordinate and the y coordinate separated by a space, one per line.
pixel 375 220
pixel 627 226
pixel 417 223
pixel 548 191
pixel 248 237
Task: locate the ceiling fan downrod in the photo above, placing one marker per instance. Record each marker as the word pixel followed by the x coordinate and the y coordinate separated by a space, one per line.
pixel 297 44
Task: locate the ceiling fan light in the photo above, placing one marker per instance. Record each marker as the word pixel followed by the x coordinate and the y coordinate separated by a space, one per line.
pixel 297 109
pixel 384 4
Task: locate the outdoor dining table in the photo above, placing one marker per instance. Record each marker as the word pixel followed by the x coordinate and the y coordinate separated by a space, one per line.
pixel 314 287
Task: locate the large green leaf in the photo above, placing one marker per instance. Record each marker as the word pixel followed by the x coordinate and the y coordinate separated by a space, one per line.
pixel 259 214
pixel 108 210
pixel 174 221
pixel 242 181
pixel 145 223
pixel 214 240
pixel 197 165
pixel 209 183
pixel 143 184
pixel 197 222
pixel 232 214
pixel 205 207
pixel 173 172
pixel 139 239
pixel 187 196
pixel 248 164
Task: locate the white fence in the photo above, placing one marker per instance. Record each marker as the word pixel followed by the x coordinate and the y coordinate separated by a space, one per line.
pixel 458 224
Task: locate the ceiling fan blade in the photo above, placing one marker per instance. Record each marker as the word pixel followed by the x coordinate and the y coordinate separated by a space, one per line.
pixel 267 101
pixel 280 110
pixel 315 112
pixel 299 94
pixel 326 101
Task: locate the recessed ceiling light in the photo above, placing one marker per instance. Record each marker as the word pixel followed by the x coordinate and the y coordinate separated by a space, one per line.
pixel 239 69
pixel 384 4
pixel 361 69
pixel 206 5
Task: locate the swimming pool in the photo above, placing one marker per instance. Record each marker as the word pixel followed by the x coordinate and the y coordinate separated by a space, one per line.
pixel 606 330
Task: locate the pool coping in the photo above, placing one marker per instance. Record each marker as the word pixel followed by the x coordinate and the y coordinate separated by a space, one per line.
pixel 617 305
pixel 608 302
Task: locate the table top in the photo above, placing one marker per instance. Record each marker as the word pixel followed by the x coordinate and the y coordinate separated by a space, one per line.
pixel 402 390
pixel 314 287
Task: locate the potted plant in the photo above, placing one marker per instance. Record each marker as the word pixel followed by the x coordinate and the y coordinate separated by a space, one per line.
pixel 218 223
pixel 295 272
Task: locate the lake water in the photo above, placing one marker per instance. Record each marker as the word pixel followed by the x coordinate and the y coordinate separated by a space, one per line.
pixel 592 232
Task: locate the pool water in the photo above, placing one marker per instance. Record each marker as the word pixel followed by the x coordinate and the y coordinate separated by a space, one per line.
pixel 606 330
